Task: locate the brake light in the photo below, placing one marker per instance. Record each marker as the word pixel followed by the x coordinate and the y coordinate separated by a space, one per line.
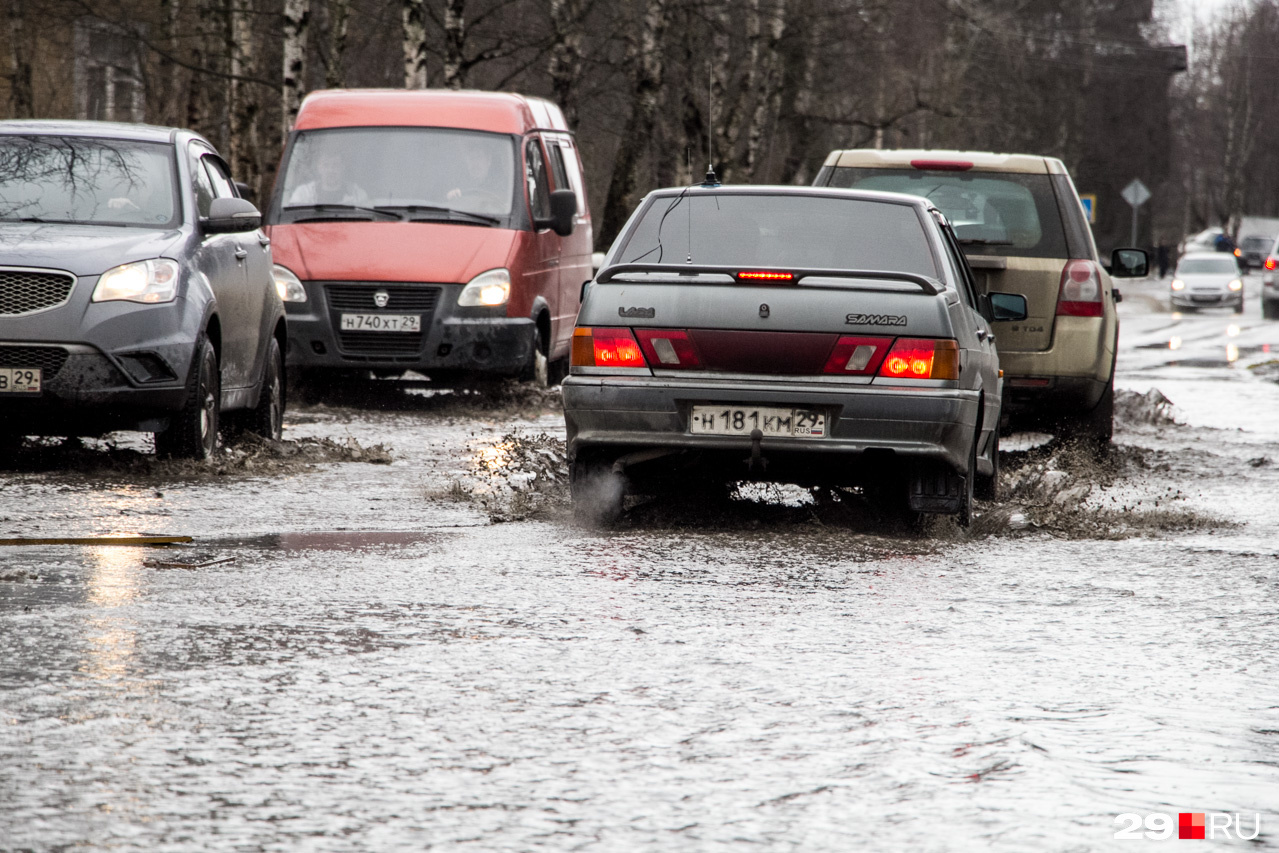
pixel 1271 263
pixel 668 348
pixel 854 356
pixel 605 348
pixel 1080 291
pixel 1238 253
pixel 921 358
pixel 942 165
pixel 765 275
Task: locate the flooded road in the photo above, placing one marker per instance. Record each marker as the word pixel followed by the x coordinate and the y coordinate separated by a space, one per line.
pixel 412 647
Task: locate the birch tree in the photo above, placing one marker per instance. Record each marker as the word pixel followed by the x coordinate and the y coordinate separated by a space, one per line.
pixel 242 101
pixel 297 22
pixel 413 23
pixel 767 83
pixel 564 66
pixel 339 17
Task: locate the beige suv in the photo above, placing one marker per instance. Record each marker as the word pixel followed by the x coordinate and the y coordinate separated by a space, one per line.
pixel 1023 229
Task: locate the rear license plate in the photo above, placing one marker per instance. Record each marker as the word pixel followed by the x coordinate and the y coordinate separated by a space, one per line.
pixel 20 380
pixel 771 421
pixel 381 322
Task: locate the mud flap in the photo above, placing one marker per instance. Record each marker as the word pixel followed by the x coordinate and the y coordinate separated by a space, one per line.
pixel 936 489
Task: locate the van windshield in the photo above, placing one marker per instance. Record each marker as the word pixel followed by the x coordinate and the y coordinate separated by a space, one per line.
pixel 993 213
pixel 399 173
pixel 781 230
pixel 86 181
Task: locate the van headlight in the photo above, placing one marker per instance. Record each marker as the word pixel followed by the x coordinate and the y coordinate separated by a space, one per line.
pixel 491 289
pixel 149 282
pixel 1235 285
pixel 287 284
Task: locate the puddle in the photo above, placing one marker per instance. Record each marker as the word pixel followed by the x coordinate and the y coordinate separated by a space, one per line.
pixel 338 540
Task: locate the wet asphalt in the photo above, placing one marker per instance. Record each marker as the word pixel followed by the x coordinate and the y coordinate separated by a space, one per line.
pixel 415 648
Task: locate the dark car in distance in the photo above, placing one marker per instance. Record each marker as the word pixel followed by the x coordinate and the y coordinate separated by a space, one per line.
pixel 823 337
pixel 135 289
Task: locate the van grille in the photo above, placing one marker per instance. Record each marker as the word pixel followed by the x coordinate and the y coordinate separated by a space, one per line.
pixel 24 291
pixel 48 359
pixel 401 299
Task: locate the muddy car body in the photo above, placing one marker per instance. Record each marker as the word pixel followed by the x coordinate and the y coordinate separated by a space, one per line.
pixel 135 288
pixel 812 336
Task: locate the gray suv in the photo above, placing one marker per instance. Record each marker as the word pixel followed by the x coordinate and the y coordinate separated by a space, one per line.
pixel 135 289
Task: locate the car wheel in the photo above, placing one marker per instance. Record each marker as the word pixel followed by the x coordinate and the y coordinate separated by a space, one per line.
pixel 596 491
pixel 1097 427
pixel 266 419
pixel 1239 307
pixel 987 485
pixel 193 430
pixel 537 368
pixel 1270 309
pixel 965 515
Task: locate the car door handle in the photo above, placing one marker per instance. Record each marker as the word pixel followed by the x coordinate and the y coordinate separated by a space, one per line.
pixel 264 241
pixel 982 334
pixel 241 253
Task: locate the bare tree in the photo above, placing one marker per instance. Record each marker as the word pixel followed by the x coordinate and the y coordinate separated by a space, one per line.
pixel 339 18
pixel 413 23
pixel 765 52
pixel 567 19
pixel 21 91
pixel 242 99
pixel 297 21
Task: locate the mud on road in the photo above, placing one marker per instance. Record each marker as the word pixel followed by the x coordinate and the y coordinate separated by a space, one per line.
pixel 413 646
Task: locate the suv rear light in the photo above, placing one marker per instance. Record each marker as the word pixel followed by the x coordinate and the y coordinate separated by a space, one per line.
pixel 765 275
pixel 1271 262
pixel 671 349
pixel 605 348
pixel 1080 291
pixel 854 356
pixel 921 358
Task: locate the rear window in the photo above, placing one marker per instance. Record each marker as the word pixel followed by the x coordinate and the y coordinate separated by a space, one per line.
pixel 737 229
pixel 1225 265
pixel 993 213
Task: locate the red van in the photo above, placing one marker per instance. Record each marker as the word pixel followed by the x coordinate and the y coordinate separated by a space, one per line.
pixel 437 231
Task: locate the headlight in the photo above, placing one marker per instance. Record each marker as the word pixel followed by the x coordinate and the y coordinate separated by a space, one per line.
pixel 1178 284
pixel 490 288
pixel 287 284
pixel 1235 285
pixel 150 282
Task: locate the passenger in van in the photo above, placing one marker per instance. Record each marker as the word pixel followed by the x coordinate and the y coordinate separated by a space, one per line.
pixel 478 189
pixel 330 184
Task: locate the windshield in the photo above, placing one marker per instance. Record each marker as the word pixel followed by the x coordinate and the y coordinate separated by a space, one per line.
pixel 81 180
pixel 396 173
pixel 1224 265
pixel 796 231
pixel 993 213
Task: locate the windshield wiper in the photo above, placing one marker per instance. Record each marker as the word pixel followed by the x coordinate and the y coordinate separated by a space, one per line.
pixel 377 211
pixel 43 221
pixel 450 212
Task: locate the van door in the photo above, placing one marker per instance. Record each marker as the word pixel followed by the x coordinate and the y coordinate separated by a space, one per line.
pixel 575 249
pixel 543 274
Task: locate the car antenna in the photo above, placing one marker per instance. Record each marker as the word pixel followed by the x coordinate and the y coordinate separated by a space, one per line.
pixel 688 153
pixel 710 180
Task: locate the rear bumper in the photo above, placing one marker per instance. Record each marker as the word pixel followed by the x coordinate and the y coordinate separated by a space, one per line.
pixel 637 413
pixel 1069 377
pixel 88 395
pixel 452 339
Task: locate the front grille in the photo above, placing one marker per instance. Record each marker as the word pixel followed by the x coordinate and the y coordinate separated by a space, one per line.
pixel 48 359
pixel 401 299
pixel 25 291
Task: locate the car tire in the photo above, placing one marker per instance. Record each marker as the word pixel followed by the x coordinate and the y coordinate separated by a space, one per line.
pixel 965 515
pixel 596 491
pixel 193 430
pixel 537 370
pixel 1270 309
pixel 266 419
pixel 1239 307
pixel 1097 427
pixel 986 486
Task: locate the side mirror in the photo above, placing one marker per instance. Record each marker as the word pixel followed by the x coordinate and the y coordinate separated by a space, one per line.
pixel 231 216
pixel 1007 306
pixel 585 285
pixel 563 213
pixel 1129 263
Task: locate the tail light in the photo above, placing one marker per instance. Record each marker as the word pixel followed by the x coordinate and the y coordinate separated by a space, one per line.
pixel 853 356
pixel 921 358
pixel 1238 253
pixel 765 275
pixel 1271 262
pixel 670 349
pixel 942 165
pixel 605 348
pixel 1080 292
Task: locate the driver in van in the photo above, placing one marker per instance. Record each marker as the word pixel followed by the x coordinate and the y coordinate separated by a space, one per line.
pixel 477 179
pixel 329 184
